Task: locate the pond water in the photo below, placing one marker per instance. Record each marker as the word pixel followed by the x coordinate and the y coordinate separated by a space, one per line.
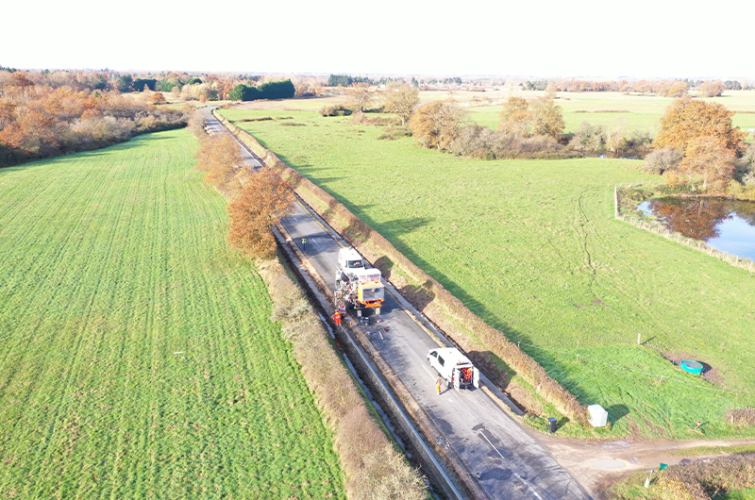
pixel 726 225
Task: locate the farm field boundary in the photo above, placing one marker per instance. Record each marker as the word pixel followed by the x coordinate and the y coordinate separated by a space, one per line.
pixel 427 295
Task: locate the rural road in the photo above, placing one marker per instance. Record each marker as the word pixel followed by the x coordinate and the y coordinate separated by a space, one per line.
pixel 507 461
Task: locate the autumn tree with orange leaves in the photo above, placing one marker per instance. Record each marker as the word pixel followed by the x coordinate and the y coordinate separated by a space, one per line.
pixel 218 156
pixel 708 158
pixel 264 199
pixel 703 132
pixel 522 118
pixel 686 118
pixel 713 88
pixel 437 124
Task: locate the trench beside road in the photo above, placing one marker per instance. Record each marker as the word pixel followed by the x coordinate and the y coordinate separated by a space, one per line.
pixel 499 454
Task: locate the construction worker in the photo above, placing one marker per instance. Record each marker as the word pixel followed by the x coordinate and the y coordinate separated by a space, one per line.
pixel 304 243
pixel 438 382
pixel 336 318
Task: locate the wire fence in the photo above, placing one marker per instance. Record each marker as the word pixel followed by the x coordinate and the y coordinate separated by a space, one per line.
pixel 655 227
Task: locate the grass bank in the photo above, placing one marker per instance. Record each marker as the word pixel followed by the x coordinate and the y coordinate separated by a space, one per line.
pixel 533 249
pixel 139 358
pixel 724 478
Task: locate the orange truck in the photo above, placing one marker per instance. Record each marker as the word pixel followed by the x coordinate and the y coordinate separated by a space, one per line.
pixel 360 288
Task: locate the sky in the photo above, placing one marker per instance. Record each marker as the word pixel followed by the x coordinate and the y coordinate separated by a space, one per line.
pixel 548 39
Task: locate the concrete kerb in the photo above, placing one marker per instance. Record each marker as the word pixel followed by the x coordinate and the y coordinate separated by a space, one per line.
pixel 367 368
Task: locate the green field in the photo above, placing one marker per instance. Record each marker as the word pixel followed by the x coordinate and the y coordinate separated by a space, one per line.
pixel 532 248
pixel 138 358
pixel 635 113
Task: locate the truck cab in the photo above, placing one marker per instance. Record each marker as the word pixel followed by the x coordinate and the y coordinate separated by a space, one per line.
pixel 348 258
pixel 454 367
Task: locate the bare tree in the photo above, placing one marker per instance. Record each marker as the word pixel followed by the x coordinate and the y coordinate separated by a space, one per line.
pixel 401 99
pixel 360 96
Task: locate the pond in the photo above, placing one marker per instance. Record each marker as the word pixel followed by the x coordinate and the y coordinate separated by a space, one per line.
pixel 726 225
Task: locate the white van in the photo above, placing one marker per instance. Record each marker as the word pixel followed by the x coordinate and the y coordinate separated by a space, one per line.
pixel 454 367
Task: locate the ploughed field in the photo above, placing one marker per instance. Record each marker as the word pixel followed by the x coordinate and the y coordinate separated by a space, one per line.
pixel 138 359
pixel 533 248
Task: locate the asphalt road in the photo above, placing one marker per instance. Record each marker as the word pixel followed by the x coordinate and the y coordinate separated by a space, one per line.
pixel 213 126
pixel 506 460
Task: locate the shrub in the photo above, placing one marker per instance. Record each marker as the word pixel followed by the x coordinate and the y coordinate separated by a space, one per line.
pixel 483 143
pixel 742 416
pixel 334 110
pixel 661 160
pixel 393 133
pixel 745 167
pixel 589 138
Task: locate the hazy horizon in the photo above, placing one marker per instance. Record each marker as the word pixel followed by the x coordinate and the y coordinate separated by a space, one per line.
pixel 587 39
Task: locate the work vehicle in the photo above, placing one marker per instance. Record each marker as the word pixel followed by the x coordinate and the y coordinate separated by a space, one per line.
pixel 356 286
pixel 454 367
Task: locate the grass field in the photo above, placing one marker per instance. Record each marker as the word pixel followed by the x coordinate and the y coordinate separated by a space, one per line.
pixel 532 247
pixel 636 113
pixel 138 358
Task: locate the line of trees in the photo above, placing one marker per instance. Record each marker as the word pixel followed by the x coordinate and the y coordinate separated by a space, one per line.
pixel 526 129
pixel 258 199
pixel 270 90
pixel 667 88
pixel 40 121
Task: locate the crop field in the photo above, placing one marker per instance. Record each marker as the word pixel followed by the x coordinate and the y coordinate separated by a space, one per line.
pixel 138 359
pixel 532 247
